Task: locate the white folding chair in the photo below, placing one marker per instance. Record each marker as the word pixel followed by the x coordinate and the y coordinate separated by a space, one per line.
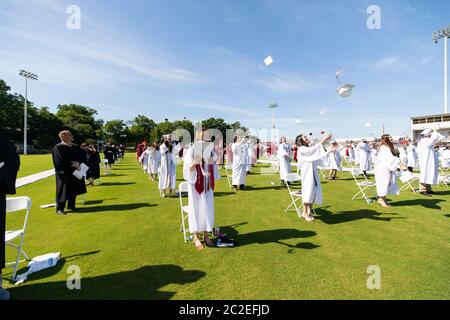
pixel 228 167
pixel 363 186
pixel 183 187
pixel 295 195
pixel 14 205
pixel 407 178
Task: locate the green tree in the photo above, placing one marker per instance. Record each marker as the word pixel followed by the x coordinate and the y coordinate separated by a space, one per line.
pixel 79 119
pixel 116 131
pixel 140 129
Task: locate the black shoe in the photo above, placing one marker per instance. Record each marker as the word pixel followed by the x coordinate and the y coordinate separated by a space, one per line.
pixel 242 187
pixel 60 213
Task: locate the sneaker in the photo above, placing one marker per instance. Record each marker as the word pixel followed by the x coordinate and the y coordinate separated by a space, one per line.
pixel 60 212
pixel 4 294
pixel 309 218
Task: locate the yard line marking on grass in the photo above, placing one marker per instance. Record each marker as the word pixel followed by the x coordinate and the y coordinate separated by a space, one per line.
pixel 34 177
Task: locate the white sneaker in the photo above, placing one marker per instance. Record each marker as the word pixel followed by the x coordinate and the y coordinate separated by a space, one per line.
pixel 4 294
pixel 309 218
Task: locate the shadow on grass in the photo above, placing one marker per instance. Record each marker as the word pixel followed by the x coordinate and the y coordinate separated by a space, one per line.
pixel 91 202
pixel 108 184
pixel 114 207
pixel 275 187
pixel 348 216
pixel 427 203
pixel 447 215
pixel 442 193
pixel 270 236
pixel 139 284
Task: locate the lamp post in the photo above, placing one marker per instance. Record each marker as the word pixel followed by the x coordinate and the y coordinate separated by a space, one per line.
pixel 27 75
pixel 438 35
pixel 273 106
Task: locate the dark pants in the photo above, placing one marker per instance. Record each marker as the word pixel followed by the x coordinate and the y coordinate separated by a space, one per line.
pixel 410 169
pixel 60 206
pixel 2 229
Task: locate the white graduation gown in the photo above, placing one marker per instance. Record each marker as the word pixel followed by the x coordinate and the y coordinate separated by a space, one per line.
pixel 239 163
pixel 284 156
pixel 166 167
pixel 446 158
pixel 427 158
pixel 335 160
pixel 153 161
pixel 249 157
pixel 309 158
pixel 201 206
pixel 385 168
pixel 364 158
pixel 173 170
pixel 144 159
pixel 403 155
pixel 412 156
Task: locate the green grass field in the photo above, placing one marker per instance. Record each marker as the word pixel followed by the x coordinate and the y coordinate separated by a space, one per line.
pixel 31 164
pixel 127 244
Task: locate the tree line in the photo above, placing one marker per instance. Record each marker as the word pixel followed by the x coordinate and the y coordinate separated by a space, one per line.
pixel 82 121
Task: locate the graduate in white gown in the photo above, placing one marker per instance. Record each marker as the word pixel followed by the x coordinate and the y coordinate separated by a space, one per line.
pixel 154 161
pixel 385 170
pixel 143 159
pixel 165 168
pixel 249 155
pixel 428 163
pixel 176 148
pixel 411 150
pixel 201 173
pixel 364 158
pixel 309 157
pixel 446 157
pixel 240 156
pixel 403 154
pixel 334 156
pixel 284 154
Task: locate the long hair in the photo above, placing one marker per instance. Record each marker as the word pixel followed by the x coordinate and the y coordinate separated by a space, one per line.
pixel 300 142
pixel 386 141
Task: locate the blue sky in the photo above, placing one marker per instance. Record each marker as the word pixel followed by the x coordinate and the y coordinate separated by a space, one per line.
pixel 204 58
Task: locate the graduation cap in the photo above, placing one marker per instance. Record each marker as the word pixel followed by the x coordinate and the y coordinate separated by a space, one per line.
pixel 268 61
pixel 344 90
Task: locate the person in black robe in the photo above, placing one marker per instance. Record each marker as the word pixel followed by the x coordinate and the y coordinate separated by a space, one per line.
pixel 67 157
pixel 108 152
pixel 9 166
pixel 93 162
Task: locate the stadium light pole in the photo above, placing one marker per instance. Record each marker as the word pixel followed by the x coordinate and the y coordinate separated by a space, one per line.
pixel 27 75
pixel 438 35
pixel 273 106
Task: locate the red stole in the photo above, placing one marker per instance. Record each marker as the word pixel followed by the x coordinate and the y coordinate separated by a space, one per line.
pixel 200 183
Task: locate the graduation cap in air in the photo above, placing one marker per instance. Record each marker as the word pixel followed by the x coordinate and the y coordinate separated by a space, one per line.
pixel 268 61
pixel 345 89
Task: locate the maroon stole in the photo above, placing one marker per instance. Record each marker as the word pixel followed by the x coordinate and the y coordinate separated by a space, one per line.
pixel 200 183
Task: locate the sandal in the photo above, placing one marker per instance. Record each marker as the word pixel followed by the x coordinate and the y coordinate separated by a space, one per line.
pixel 198 244
pixel 383 203
pixel 209 242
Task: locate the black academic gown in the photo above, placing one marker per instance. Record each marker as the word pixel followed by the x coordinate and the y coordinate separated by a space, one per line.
pixel 67 185
pixel 8 175
pixel 93 162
